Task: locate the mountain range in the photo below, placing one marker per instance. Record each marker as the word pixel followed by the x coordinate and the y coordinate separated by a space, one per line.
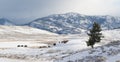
pixel 71 23
pixel 4 21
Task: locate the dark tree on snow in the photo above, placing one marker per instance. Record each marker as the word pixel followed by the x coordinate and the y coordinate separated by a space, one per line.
pixel 94 35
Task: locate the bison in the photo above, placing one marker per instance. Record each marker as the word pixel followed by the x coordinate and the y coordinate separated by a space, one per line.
pixel 64 41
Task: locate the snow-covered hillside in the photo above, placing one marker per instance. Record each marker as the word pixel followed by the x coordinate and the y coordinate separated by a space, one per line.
pixel 73 23
pixel 23 30
pixel 75 50
pixel 24 33
pixel 107 53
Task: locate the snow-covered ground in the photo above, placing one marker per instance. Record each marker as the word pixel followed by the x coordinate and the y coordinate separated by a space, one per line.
pixel 75 50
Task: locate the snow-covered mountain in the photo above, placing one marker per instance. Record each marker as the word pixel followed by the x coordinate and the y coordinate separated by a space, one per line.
pixel 4 21
pixel 73 23
pixel 69 23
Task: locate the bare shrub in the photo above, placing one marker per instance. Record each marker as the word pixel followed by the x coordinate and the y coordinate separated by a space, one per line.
pixel 93 59
pixel 53 51
pixel 70 61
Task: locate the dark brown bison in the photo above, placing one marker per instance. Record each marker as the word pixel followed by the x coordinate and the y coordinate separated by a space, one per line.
pixel 64 41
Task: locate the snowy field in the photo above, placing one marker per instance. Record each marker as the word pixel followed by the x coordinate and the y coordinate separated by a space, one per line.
pixel 73 51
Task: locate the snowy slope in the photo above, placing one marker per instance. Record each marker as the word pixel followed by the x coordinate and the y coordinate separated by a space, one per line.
pixel 106 53
pixel 74 50
pixel 23 30
pixel 24 33
pixel 73 23
pixel 108 50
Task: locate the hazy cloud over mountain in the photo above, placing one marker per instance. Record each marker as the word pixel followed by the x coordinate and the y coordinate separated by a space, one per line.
pixel 22 11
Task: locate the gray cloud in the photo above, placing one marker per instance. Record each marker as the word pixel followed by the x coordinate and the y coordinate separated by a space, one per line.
pixel 23 11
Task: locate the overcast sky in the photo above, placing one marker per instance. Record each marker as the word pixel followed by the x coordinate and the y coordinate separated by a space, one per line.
pixel 23 11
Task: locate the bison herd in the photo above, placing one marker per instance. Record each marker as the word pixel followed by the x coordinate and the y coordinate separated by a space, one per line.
pixel 64 42
pixel 54 44
pixel 22 46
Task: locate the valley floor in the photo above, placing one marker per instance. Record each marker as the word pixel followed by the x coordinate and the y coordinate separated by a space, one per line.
pixel 73 51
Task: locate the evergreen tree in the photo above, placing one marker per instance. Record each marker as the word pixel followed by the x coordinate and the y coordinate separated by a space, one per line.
pixel 94 35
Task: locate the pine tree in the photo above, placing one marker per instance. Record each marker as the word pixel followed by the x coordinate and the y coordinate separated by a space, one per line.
pixel 94 35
